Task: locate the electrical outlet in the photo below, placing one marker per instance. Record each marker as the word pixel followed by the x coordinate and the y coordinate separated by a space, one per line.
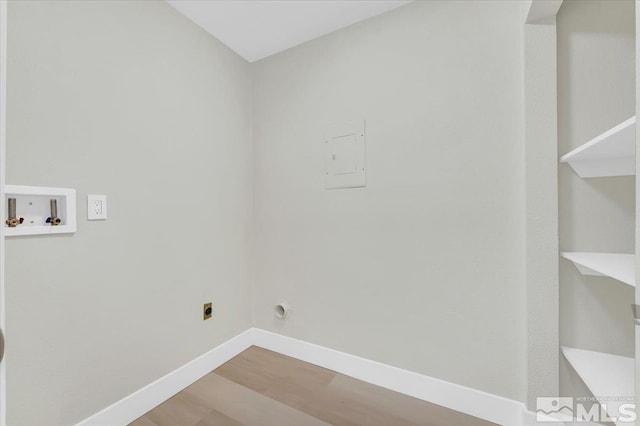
pixel 207 311
pixel 96 207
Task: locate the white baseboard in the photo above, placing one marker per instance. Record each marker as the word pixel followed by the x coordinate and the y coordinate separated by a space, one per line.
pixel 138 403
pixel 476 403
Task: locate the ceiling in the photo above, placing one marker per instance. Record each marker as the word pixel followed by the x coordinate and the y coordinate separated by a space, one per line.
pixel 256 29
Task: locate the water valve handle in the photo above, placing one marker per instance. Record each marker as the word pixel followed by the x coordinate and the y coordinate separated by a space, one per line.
pixel 54 221
pixel 14 221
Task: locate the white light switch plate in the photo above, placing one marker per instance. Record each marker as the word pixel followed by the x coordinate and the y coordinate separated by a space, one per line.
pixel 96 207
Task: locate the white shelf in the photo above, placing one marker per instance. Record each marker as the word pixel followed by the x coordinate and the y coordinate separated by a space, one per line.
pixel 606 375
pixel 610 154
pixel 615 265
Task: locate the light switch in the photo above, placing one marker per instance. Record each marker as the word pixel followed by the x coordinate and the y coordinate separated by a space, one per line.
pixel 96 207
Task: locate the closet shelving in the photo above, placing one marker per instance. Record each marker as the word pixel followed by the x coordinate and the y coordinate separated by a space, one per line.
pixel 610 154
pixel 604 374
pixel 615 265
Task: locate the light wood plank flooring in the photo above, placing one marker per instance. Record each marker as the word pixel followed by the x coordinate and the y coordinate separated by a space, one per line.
pixel 262 388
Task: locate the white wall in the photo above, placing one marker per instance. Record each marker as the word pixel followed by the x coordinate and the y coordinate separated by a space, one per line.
pixel 132 100
pixel 596 91
pixel 636 334
pixel 424 268
pixel 541 211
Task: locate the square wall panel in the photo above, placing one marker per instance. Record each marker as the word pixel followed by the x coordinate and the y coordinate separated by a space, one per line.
pixel 345 155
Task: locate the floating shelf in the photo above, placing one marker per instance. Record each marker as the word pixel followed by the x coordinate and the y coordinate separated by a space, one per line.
pixel 33 207
pixel 613 153
pixel 605 375
pixel 618 266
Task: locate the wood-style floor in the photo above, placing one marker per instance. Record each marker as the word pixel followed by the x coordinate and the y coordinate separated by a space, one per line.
pixel 262 388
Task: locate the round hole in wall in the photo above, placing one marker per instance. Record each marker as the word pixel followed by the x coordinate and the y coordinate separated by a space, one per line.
pixel 282 310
